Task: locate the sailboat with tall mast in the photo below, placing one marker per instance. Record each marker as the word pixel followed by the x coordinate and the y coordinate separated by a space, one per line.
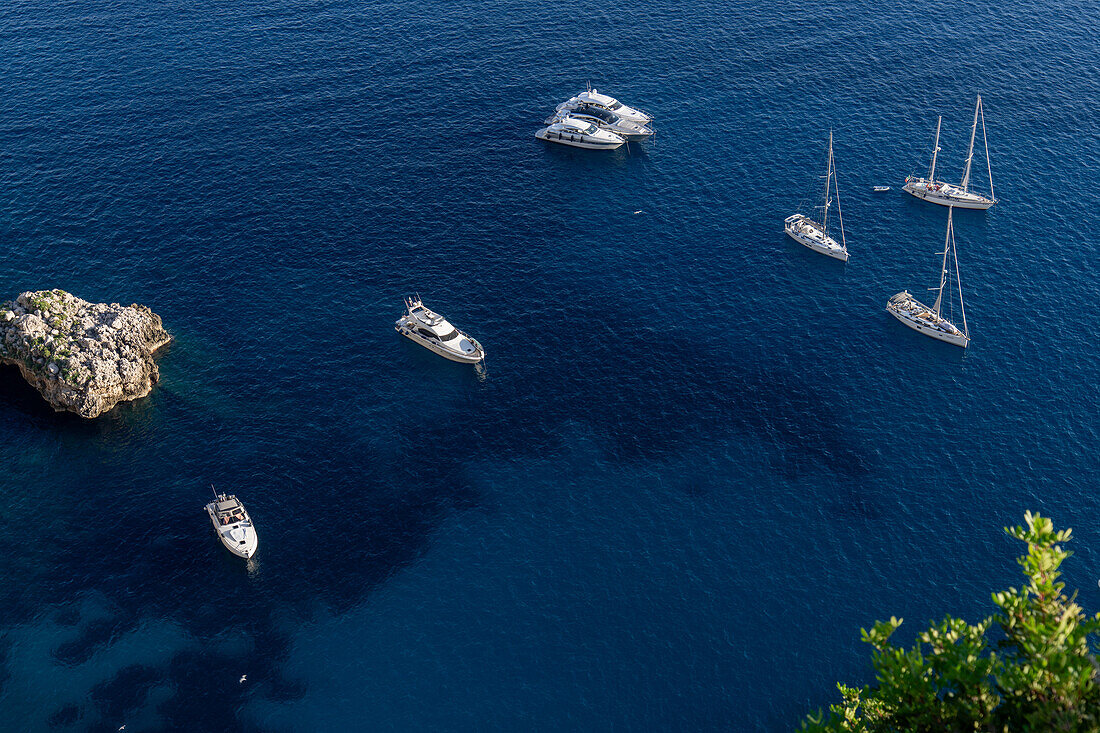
pixel 930 321
pixel 814 235
pixel 947 194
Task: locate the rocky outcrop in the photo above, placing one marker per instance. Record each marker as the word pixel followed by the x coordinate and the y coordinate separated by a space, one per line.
pixel 82 357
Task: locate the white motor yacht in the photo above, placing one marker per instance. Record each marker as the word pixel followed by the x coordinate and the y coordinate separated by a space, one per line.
pixel 948 194
pixel 434 332
pixel 813 234
pixel 605 120
pixel 580 134
pixel 233 525
pixel 592 97
pixel 930 321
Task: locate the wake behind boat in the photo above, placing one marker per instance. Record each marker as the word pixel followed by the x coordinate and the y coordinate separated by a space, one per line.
pixel 434 332
pixel 815 235
pixel 948 194
pixel 233 525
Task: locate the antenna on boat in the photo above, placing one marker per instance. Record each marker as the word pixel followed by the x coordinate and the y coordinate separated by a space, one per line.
pixel 216 497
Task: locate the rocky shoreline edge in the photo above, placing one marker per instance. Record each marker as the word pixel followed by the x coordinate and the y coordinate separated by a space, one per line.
pixel 81 357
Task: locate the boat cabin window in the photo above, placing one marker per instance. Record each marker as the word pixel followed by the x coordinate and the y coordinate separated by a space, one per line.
pixel 591 130
pixel 448 336
pixel 601 114
pixel 614 105
pixel 426 333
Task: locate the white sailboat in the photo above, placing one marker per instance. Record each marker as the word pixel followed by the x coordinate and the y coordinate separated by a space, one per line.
pixel 947 194
pixel 814 235
pixel 930 321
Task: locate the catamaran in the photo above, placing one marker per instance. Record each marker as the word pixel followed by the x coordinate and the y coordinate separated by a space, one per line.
pixel 947 194
pixel 930 321
pixel 814 235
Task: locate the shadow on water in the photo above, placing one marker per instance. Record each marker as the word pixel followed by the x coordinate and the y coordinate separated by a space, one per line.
pixel 20 405
pixel 673 389
pixel 358 549
pixel 679 390
pixel 23 408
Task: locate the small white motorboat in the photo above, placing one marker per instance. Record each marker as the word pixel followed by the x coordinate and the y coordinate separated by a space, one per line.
pixel 434 332
pixel 591 96
pixel 580 134
pixel 233 525
pixel 880 189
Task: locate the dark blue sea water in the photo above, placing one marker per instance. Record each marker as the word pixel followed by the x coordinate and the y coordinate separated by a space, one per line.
pixel 701 456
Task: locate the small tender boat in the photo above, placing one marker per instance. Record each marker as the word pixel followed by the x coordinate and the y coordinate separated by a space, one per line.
pixel 880 189
pixel 930 321
pixel 592 97
pixel 233 525
pixel 605 120
pixel 580 134
pixel 815 235
pixel 434 332
pixel 948 194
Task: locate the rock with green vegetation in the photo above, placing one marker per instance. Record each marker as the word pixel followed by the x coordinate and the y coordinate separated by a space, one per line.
pixel 82 357
pixel 1036 671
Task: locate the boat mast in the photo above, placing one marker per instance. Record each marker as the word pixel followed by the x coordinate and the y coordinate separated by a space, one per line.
pixel 958 279
pixel 839 210
pixel 943 269
pixel 828 179
pixel 988 164
pixel 935 149
pixel 970 152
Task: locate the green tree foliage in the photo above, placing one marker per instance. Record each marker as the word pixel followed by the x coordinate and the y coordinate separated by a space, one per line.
pixel 1037 674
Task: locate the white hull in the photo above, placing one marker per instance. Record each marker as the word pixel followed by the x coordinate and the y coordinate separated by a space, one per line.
pixel 632 132
pixel 809 235
pixel 241 541
pixel 627 113
pixel 631 136
pixel 925 326
pixel 960 200
pixel 438 348
pixel 577 140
